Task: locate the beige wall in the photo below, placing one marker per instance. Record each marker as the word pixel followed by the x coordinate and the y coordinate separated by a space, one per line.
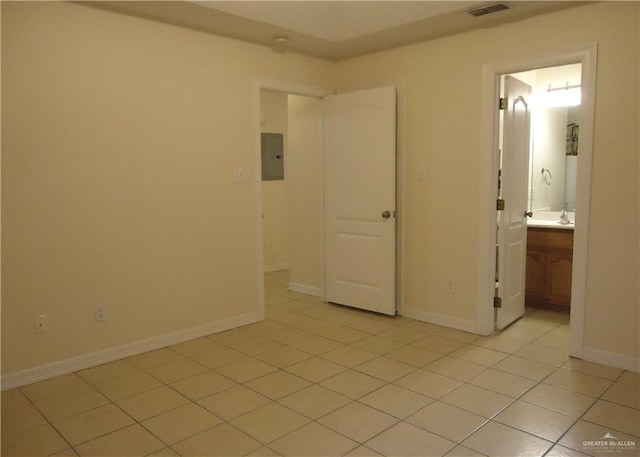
pixel 275 207
pixel 443 80
pixel 119 140
pixel 120 136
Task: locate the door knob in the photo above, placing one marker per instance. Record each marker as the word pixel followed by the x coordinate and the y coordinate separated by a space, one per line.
pixel 528 214
pixel 386 214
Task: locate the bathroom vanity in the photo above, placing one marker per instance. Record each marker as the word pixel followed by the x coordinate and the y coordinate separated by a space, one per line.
pixel 549 264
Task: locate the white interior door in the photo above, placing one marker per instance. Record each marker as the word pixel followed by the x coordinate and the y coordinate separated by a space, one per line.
pixel 512 225
pixel 360 226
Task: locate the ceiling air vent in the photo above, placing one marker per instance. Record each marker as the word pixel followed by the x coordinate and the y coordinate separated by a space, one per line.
pixel 488 9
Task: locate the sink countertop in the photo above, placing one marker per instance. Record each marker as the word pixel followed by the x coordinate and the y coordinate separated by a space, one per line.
pixel 539 223
pixel 551 219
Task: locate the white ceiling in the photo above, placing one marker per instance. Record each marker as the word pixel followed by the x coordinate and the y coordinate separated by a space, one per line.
pixel 331 30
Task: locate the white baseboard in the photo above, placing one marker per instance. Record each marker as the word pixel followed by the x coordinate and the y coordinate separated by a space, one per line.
pixel 49 370
pixel 611 359
pixel 304 289
pixel 276 267
pixel 439 319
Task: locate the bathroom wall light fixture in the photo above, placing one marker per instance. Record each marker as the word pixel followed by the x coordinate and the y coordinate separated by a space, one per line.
pixel 566 95
pixel 567 86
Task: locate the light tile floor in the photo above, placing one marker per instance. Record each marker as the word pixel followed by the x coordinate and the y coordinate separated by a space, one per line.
pixel 318 379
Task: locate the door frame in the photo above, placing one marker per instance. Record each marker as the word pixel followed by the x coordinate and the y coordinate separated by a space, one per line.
pixel 585 54
pixel 309 90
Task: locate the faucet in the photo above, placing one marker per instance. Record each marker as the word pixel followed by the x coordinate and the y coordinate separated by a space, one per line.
pixel 564 218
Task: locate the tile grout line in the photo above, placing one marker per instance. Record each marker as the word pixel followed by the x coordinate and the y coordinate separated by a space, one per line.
pixel 340 325
pixel 46 419
pixel 601 397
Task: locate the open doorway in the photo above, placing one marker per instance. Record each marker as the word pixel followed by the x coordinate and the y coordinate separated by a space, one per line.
pixel 551 192
pixel 538 143
pixel 283 87
pixel 586 55
pixel 291 189
pixel 325 121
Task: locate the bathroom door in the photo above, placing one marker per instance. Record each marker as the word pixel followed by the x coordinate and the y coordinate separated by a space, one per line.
pixel 512 226
pixel 360 170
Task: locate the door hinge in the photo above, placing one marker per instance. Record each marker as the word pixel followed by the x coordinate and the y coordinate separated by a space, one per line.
pixel 502 103
pixel 497 302
pixel 500 204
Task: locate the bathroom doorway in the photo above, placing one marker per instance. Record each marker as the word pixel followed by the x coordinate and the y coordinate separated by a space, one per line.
pixel 538 144
pixel 586 55
pixel 551 190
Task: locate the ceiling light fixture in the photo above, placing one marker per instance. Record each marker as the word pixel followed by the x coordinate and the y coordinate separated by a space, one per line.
pixel 279 44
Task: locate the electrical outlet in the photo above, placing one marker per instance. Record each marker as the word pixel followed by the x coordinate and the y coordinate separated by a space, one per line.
pixel 238 175
pixel 41 324
pixel 422 174
pixel 101 313
pixel 451 286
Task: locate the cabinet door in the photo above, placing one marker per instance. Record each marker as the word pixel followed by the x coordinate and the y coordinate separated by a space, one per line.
pixel 535 279
pixel 559 265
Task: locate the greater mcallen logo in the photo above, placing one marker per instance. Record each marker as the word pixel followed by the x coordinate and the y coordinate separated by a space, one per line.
pixel 610 444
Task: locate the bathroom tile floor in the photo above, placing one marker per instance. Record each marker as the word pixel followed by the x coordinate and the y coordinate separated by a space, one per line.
pixel 321 380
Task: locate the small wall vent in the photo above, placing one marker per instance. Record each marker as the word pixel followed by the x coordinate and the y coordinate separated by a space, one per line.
pixel 488 9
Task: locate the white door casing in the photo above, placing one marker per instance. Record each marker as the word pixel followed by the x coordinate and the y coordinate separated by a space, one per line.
pixel 512 227
pixel 360 199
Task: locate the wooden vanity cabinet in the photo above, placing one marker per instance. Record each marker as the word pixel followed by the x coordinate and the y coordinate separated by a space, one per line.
pixel 549 266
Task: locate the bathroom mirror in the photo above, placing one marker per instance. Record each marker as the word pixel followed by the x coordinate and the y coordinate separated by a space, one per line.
pixel 555 136
pixel 554 158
